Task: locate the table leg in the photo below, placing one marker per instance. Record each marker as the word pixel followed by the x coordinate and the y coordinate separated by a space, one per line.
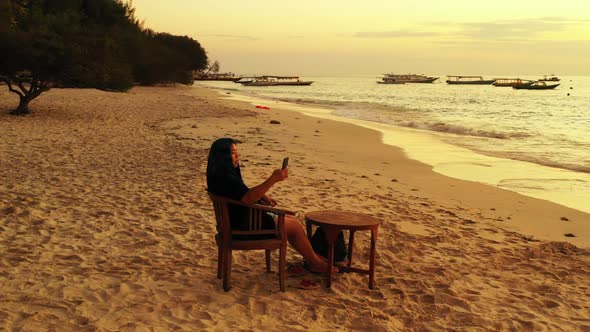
pixel 372 258
pixel 331 235
pixel 350 246
pixel 331 264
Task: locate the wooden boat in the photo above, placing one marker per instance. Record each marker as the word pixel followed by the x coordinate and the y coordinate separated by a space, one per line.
pixel 216 77
pixel 406 78
pixel 509 82
pixel 536 85
pixel 469 80
pixel 384 81
pixel 244 79
pixel 549 78
pixel 270 80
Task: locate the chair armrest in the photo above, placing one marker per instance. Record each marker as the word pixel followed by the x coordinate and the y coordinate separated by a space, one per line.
pixel 255 206
pixel 272 209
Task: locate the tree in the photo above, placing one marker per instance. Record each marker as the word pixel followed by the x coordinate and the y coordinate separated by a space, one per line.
pixel 168 58
pixel 213 68
pixel 210 68
pixel 86 43
pixel 64 43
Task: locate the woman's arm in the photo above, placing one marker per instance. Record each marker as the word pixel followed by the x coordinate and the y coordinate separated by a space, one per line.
pixel 267 200
pixel 257 192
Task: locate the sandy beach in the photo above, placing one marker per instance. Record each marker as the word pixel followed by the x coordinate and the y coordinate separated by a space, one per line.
pixel 105 225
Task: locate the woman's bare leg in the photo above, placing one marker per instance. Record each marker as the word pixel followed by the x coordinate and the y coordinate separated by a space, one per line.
pixel 298 239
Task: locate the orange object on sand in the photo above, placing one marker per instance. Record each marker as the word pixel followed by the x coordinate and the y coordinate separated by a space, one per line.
pixel 296 271
pixel 263 107
pixel 308 284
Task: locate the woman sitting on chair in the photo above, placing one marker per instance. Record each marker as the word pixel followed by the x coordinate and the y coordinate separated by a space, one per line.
pixel 225 179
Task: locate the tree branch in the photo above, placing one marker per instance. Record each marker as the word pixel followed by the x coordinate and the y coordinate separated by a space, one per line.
pixel 8 82
pixel 22 87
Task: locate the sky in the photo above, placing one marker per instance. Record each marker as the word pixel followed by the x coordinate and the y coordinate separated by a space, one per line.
pixel 369 37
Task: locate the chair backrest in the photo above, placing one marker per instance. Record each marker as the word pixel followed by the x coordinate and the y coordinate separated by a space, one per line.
pixel 255 217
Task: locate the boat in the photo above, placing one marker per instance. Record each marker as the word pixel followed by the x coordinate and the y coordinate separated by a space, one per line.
pixel 389 81
pixel 244 79
pixel 509 82
pixel 549 78
pixel 536 85
pixel 406 78
pixel 216 77
pixel 271 80
pixel 468 80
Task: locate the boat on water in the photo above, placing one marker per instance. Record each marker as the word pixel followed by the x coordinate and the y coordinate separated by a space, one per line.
pixel 478 80
pixel 216 77
pixel 406 78
pixel 537 85
pixel 270 80
pixel 510 82
pixel 550 78
pixel 244 79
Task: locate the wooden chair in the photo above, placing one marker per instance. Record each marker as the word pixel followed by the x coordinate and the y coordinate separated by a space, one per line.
pixel 226 243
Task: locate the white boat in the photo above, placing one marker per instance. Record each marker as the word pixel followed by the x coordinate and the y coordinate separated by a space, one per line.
pixel 549 78
pixel 406 78
pixel 270 80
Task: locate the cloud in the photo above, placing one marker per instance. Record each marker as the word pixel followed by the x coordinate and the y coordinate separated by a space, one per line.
pixel 512 30
pixel 507 30
pixel 394 34
pixel 565 20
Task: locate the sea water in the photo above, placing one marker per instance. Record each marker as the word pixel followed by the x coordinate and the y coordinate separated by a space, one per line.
pixel 534 142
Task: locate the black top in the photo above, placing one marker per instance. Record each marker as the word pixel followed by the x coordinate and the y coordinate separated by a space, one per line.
pixel 231 186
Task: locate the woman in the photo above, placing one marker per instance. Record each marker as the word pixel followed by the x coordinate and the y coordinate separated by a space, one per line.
pixel 225 179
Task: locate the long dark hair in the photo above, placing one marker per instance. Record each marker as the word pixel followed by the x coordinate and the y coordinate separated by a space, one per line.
pixel 220 164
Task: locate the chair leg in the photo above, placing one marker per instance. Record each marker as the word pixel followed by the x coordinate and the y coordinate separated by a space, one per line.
pixel 282 266
pixel 372 258
pixel 267 256
pixel 219 261
pixel 227 269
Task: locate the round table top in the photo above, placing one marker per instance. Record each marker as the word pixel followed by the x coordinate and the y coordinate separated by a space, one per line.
pixel 344 219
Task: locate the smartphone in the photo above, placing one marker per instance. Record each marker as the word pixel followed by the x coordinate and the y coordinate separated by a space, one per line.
pixel 285 162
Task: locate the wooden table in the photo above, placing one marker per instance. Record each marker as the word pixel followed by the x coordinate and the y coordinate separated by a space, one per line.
pixel 332 223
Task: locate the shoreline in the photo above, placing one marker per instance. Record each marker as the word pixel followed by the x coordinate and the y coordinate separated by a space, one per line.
pixel 556 185
pixel 545 225
pixel 105 224
pixel 532 217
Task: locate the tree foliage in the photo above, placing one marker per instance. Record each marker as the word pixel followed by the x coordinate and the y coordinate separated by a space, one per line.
pixel 211 68
pixel 87 43
pixel 168 58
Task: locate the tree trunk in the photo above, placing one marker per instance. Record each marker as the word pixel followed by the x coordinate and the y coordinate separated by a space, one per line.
pixel 27 89
pixel 23 106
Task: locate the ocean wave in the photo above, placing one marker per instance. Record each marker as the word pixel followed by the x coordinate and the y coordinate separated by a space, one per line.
pixel 531 157
pixel 311 102
pixel 462 130
pixel 398 115
pixel 553 163
pixel 511 140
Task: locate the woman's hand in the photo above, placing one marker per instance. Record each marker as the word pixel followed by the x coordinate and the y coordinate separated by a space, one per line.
pixel 280 174
pixel 257 193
